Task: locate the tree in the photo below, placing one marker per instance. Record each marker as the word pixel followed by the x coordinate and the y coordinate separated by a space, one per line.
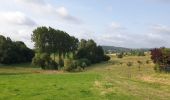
pixel 88 49
pixel 44 61
pixel 41 39
pixel 14 52
pixel 51 41
pixel 141 53
pixel 120 55
pixel 139 64
pixel 129 64
pixel 161 57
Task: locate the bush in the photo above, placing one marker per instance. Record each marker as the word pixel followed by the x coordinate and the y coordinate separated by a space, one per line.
pixel 106 58
pixel 161 57
pixel 147 62
pixel 157 68
pixel 83 62
pixel 120 55
pixel 76 65
pixel 44 61
pixel 72 65
pixel 141 53
pixel 68 65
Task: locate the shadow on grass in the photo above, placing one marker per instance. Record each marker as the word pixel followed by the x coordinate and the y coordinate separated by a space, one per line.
pixel 1 74
pixel 22 65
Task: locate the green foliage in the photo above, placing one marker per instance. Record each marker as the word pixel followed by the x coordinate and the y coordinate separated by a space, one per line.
pixel 90 50
pixel 83 62
pixel 44 61
pixel 49 40
pixel 141 53
pixel 161 57
pixel 73 66
pixel 106 58
pixel 120 55
pixel 76 65
pixel 157 68
pixel 69 65
pixel 14 52
pixel 99 82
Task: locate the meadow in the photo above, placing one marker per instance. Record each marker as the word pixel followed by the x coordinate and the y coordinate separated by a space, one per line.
pixel 112 80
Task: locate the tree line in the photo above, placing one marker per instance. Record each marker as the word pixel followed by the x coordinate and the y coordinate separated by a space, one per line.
pixel 53 49
pixel 49 42
pixel 14 51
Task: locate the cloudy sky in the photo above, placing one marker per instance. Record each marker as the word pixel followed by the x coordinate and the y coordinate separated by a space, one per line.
pixel 123 23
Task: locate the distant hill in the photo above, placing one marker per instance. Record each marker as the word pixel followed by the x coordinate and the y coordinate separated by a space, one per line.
pixel 115 49
pixel 122 49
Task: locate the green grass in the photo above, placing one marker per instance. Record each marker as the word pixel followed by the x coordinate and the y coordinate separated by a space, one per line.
pixel 48 87
pixel 105 81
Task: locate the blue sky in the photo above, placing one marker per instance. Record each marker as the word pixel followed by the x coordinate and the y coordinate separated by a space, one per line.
pixel 124 23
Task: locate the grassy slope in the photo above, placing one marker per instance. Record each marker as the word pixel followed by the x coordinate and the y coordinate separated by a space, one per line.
pixel 106 81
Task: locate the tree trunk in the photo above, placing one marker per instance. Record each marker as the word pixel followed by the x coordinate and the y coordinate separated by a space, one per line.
pixel 60 59
pixel 54 56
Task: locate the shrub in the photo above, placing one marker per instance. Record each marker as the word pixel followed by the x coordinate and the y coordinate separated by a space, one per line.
pixel 44 61
pixel 129 64
pixel 76 65
pixel 157 68
pixel 147 62
pixel 82 62
pixel 106 58
pixel 161 57
pixel 70 65
pixel 120 55
pixel 141 53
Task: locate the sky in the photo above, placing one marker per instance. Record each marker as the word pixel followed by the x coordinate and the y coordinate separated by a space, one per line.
pixel 122 23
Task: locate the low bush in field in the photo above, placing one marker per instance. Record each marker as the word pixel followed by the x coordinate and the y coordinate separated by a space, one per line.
pixel 44 61
pixel 120 55
pixel 76 65
pixel 106 58
pixel 69 65
pixel 83 62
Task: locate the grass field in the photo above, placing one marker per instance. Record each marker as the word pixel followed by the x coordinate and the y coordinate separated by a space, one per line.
pixel 105 81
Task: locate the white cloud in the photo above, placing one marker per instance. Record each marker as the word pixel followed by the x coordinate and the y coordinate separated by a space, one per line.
pixel 49 10
pixel 161 29
pixel 16 18
pixel 31 1
pixel 62 11
pixel 116 26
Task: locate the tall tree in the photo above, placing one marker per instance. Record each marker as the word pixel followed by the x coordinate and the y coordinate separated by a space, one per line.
pixel 50 41
pixel 14 52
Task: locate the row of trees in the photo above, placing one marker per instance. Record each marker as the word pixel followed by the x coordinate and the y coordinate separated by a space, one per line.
pixel 161 57
pixel 14 52
pixel 132 53
pixel 88 49
pixel 49 41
